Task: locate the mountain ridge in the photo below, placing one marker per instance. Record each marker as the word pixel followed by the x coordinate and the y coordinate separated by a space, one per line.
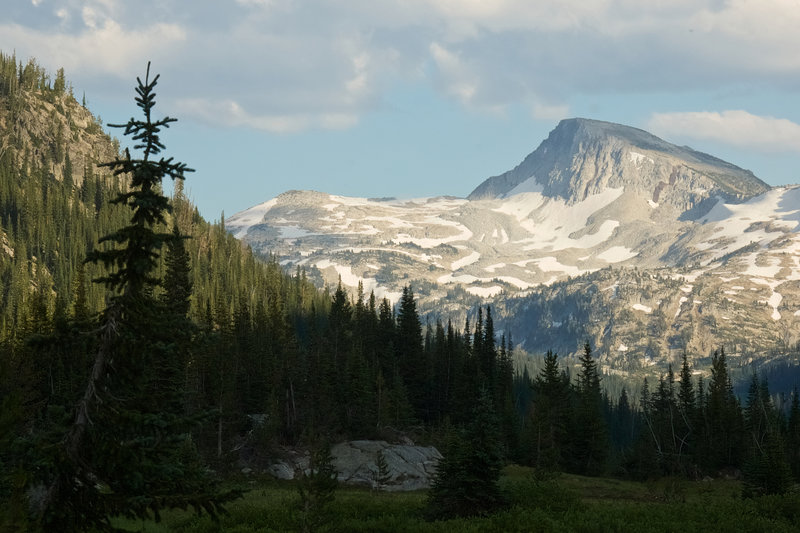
pixel 602 203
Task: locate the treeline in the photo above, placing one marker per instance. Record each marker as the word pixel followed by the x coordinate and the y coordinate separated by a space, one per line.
pixel 679 427
pixel 17 78
pixel 349 369
pixel 694 429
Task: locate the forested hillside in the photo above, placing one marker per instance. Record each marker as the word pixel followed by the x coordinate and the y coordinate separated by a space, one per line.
pixel 260 344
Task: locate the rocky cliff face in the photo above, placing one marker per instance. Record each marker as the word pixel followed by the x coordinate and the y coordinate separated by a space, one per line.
pixel 56 133
pixel 593 196
pixel 583 157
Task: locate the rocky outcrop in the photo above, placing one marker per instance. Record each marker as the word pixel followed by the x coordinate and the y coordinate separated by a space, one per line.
pixel 407 467
pixel 53 130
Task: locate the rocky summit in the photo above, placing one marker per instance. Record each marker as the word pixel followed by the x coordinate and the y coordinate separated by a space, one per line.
pixel 605 232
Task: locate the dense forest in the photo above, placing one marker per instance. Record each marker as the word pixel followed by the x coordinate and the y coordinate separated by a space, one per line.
pixel 137 339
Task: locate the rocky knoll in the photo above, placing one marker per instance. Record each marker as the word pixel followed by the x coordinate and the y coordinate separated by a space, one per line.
pixel 408 467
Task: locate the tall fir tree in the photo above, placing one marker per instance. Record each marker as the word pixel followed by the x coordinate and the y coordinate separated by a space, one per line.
pixel 793 435
pixel 766 469
pixel 124 452
pixel 589 445
pixel 466 480
pixel 549 416
pixel 410 354
pixel 725 425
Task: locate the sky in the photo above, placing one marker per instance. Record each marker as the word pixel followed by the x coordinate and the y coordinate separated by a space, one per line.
pixel 416 98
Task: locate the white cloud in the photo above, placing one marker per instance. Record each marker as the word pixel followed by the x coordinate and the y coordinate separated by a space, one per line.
pixel 311 58
pixel 735 127
pixel 230 113
pixel 255 3
pixel 106 49
pixel 457 78
pixel 542 111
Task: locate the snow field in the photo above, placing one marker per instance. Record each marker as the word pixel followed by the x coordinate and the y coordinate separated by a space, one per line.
pixel 465 261
pixel 242 222
pixel 551 221
pixel 485 292
pixel 617 254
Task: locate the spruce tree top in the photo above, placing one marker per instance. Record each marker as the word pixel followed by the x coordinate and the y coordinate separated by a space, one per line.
pixel 136 257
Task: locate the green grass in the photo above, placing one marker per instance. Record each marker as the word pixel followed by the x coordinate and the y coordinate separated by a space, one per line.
pixel 562 503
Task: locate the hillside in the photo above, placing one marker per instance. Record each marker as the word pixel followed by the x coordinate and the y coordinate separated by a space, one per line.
pixel 257 343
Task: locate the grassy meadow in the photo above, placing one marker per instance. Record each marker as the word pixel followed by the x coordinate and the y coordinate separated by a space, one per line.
pixel 563 503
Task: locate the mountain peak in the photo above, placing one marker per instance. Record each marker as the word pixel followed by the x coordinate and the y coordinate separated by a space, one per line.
pixel 586 129
pixel 584 156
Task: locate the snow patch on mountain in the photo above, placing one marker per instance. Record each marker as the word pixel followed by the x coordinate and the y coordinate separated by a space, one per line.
pixel 617 254
pixel 240 223
pixel 551 264
pixel 293 232
pixel 520 284
pixel 496 266
pixel 485 292
pixel 760 220
pixel 468 260
pixel 348 278
pixel 551 222
pixel 530 185
pixel 463 234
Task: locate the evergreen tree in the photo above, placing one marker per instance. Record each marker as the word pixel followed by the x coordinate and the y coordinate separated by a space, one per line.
pixel 624 427
pixel 646 457
pixel 466 480
pixel 382 474
pixel 793 435
pixel 177 281
pixel 686 400
pixel 549 415
pixel 589 446
pixel 316 488
pixel 723 438
pixel 123 452
pixel 410 354
pixel 766 469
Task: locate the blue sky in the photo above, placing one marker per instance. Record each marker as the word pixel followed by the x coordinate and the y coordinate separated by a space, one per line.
pixel 414 98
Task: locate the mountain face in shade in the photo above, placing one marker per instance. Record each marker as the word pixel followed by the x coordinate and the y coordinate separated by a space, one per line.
pixel 605 232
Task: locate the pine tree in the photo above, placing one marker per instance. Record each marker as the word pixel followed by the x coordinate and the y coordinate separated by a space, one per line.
pixel 177 282
pixel 686 400
pixel 549 415
pixel 410 354
pixel 590 444
pixel 647 454
pixel 466 481
pixel 124 452
pixel 724 416
pixel 316 488
pixel 766 469
pixel 793 435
